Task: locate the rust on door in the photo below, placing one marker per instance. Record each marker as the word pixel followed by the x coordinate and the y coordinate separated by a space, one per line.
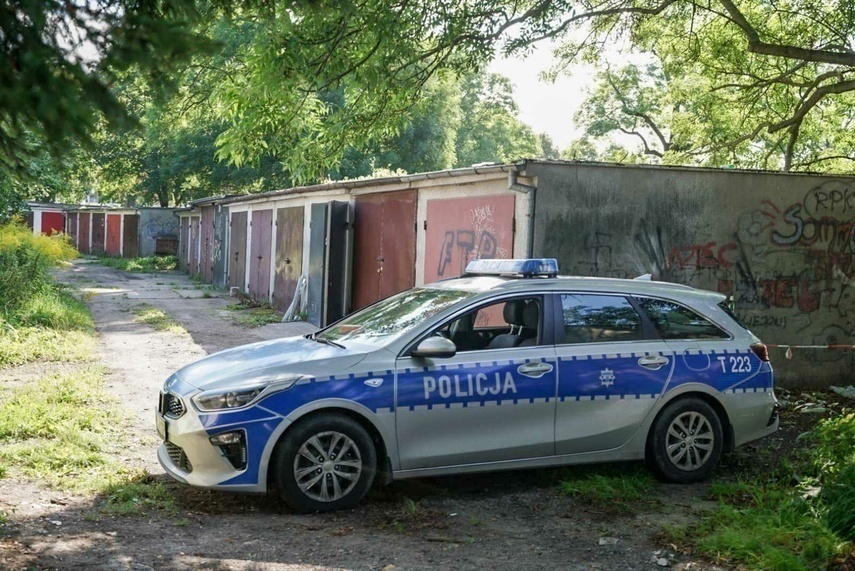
pixel 97 233
pixel 114 234
pixel 194 245
pixel 261 227
pixel 131 236
pixel 384 245
pixel 206 245
pixel 459 230
pixel 289 255
pixel 84 232
pixel 237 251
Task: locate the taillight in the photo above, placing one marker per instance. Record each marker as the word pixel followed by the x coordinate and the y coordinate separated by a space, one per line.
pixel 761 351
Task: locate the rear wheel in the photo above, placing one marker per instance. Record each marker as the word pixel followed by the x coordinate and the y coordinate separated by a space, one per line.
pixel 686 441
pixel 325 463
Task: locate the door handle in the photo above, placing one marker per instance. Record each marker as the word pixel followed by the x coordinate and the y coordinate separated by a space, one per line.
pixel 653 363
pixel 534 370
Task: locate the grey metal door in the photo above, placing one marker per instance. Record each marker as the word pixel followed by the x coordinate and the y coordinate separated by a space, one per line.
pixel 317 260
pixel 237 251
pixel 338 257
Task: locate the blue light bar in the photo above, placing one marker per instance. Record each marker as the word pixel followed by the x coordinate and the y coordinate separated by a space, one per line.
pixel 544 267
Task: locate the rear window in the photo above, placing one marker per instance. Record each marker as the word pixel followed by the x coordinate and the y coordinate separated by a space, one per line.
pixel 590 318
pixel 674 321
pixel 726 308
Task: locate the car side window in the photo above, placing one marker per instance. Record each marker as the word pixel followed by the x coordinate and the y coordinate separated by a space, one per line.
pixel 501 325
pixel 674 321
pixel 591 318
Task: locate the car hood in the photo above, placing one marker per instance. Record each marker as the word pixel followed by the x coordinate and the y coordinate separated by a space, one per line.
pixel 244 365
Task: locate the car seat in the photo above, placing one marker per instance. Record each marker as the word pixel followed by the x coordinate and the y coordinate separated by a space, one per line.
pixel 531 324
pixel 513 314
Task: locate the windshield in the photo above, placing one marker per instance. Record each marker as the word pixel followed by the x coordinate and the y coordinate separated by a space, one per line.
pixel 387 320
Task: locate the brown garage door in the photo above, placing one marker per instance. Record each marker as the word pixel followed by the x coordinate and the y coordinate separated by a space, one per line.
pixel 261 228
pixel 289 255
pixel 97 233
pixel 384 245
pixel 131 236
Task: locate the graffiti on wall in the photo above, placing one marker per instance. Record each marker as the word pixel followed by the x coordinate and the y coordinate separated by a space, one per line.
pixel 789 267
pixel 460 230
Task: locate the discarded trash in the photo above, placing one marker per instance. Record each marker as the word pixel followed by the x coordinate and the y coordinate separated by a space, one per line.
pixel 845 392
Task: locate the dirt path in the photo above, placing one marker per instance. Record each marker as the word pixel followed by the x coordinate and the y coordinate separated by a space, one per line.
pixel 517 520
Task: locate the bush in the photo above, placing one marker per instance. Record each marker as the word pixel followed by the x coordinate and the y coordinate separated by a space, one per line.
pixel 25 264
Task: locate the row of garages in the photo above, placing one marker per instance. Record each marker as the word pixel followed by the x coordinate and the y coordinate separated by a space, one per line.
pixel 108 230
pixel 356 241
pixel 782 246
pixel 122 232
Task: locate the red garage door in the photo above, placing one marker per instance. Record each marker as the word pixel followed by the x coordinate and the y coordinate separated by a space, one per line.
pixel 114 234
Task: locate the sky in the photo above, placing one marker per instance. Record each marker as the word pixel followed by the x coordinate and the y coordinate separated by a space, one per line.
pixel 548 107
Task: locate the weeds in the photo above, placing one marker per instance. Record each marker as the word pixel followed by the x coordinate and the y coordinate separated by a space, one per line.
pixel 621 488
pixel 150 264
pixel 156 318
pixel 798 515
pixel 137 495
pixel 258 316
pixel 61 430
pixel 25 264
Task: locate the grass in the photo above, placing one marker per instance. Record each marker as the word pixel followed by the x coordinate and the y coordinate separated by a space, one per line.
pixel 795 514
pixel 256 314
pixel 150 264
pixel 63 430
pixel 156 318
pixel 617 488
pixel 51 326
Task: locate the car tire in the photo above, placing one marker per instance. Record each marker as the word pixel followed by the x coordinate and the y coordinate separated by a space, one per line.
pixel 324 463
pixel 686 441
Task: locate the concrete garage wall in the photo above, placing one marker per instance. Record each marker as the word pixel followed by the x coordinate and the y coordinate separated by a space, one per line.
pixel 783 245
pixel 156 222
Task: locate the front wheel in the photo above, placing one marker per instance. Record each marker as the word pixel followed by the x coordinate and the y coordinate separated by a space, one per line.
pixel 686 441
pixel 325 463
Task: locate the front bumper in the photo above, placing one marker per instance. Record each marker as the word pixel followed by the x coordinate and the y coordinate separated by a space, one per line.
pixel 188 456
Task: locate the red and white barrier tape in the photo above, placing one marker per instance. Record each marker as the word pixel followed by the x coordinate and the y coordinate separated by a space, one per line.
pixel 789 348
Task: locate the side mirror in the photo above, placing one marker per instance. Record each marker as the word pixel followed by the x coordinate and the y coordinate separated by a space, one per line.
pixel 435 347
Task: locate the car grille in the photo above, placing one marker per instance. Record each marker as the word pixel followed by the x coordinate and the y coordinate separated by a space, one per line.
pixel 178 457
pixel 171 405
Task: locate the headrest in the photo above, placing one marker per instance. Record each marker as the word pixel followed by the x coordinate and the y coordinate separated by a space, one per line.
pixel 513 312
pixel 531 315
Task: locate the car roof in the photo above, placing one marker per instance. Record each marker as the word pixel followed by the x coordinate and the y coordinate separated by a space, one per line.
pixel 481 284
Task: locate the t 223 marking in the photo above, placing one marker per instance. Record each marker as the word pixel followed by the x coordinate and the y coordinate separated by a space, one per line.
pixel 738 364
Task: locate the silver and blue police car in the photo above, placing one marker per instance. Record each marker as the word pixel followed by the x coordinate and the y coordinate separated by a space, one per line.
pixel 508 366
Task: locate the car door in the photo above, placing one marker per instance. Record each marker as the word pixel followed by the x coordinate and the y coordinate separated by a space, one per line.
pixel 494 400
pixel 611 370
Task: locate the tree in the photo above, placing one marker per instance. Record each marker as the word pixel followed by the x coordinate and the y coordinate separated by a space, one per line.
pixel 58 60
pixel 490 130
pixel 793 59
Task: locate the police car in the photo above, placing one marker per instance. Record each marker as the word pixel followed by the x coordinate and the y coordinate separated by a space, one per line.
pixel 508 366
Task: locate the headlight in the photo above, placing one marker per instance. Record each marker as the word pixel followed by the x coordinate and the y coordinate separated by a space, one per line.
pixel 229 399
